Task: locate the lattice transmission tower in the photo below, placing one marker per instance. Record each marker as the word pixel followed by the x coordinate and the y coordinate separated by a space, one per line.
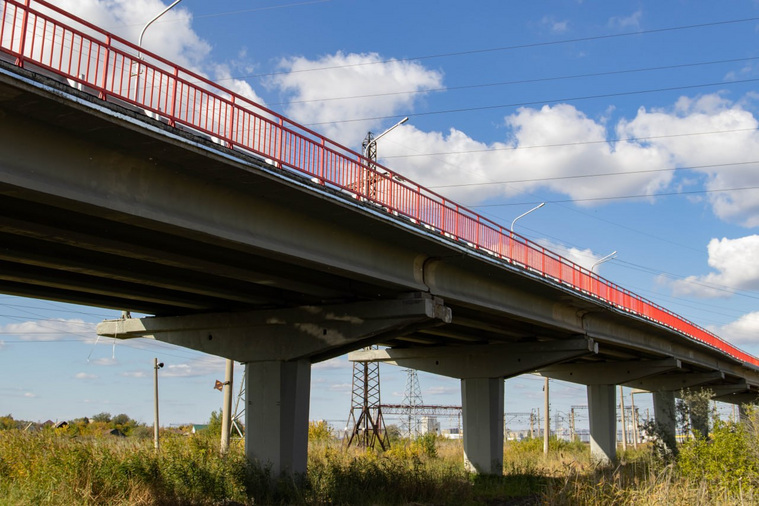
pixel 365 421
pixel 412 403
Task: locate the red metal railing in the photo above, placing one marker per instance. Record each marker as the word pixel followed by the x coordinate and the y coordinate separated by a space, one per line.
pixel 40 34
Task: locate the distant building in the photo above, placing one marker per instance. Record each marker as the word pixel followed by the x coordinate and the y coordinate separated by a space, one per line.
pixel 429 424
pixel 198 428
pixel 452 433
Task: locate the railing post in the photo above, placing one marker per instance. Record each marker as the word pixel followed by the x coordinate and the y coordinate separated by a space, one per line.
pixel 231 124
pixel 280 140
pixel 22 47
pixel 322 160
pixel 106 63
pixel 172 106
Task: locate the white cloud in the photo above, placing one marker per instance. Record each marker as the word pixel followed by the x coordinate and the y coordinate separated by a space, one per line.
pixel 198 367
pixel 631 21
pixel 340 387
pixel 545 144
pixel 739 143
pixel 583 257
pixel 334 363
pixel 745 330
pixel 736 262
pixel 555 26
pixel 53 329
pixel 134 374
pixel 84 376
pixel 104 361
pixel 30 395
pixel 351 75
pixel 441 390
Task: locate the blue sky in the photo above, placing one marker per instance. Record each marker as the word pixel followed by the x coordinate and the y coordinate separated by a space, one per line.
pixel 636 122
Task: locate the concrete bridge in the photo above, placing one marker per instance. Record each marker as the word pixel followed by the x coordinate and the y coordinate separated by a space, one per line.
pixel 130 183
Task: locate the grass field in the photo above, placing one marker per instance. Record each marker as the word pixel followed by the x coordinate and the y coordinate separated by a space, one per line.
pixel 63 467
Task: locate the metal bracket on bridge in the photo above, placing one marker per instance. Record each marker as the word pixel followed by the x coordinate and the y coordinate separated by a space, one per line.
pixel 312 332
pixel 482 361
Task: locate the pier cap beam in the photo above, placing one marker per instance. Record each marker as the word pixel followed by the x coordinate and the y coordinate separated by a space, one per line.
pixel 609 373
pixel 477 361
pixel 313 332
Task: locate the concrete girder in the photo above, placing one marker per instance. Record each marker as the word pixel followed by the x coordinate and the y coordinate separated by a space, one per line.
pixel 139 187
pixel 641 336
pixel 609 373
pixel 312 332
pixel 676 382
pixel 478 361
pixel 501 295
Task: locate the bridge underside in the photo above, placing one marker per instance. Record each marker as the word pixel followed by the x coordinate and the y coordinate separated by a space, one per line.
pixel 102 206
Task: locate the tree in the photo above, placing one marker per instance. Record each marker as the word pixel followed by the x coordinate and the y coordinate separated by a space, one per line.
pixel 214 423
pixel 693 411
pixel 319 431
pixel 7 422
pixel 102 417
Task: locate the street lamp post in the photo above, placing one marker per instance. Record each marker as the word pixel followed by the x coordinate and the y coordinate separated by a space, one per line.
pixel 610 256
pixel 156 365
pixel 525 214
pixel 139 45
pixel 511 236
pixel 370 152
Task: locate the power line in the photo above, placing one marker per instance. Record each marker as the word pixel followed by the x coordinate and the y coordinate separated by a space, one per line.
pixel 578 143
pixel 514 47
pixel 537 102
pixel 508 83
pixel 601 174
pixel 619 197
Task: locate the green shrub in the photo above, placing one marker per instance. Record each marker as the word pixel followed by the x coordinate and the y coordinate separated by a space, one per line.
pixel 726 461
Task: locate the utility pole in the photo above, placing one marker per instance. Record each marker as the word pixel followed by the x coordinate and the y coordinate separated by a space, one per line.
pixel 572 423
pixel 156 366
pixel 547 433
pixel 634 420
pixel 622 408
pixel 532 425
pixel 226 414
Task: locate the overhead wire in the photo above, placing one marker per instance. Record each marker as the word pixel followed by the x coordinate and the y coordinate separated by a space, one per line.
pixel 514 82
pixel 598 174
pixel 517 46
pixel 536 102
pixel 574 143
pixel 618 197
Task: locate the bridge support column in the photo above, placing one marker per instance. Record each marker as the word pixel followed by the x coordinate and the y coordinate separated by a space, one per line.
pixel 482 404
pixel 276 414
pixel 664 416
pixel 603 423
